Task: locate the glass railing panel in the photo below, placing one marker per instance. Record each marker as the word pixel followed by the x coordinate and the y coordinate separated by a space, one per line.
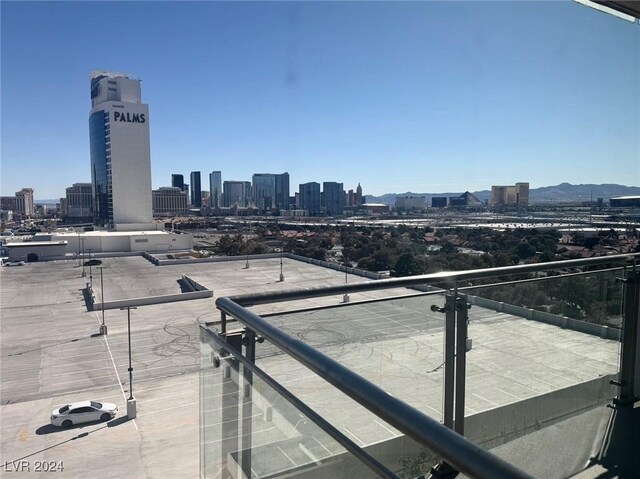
pixel 396 344
pixel 540 353
pixel 251 429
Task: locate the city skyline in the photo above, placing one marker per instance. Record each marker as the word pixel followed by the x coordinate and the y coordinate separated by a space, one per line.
pixel 392 98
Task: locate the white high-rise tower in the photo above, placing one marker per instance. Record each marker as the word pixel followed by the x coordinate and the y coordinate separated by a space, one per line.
pixel 120 152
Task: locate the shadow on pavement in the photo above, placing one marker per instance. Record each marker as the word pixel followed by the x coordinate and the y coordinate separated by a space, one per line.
pixel 51 429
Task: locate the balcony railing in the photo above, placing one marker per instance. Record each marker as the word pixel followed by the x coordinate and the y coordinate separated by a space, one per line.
pixel 510 349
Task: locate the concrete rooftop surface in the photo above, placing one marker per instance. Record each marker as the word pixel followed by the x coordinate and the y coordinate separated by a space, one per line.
pixel 51 355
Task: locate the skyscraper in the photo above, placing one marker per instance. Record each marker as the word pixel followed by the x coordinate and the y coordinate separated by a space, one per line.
pixel 359 199
pixel 120 154
pixel 310 197
pixel 264 191
pixel 196 190
pixel 271 191
pixel 177 181
pixel 78 204
pixel 333 197
pixel 25 203
pixel 282 191
pixel 236 193
pixel 215 189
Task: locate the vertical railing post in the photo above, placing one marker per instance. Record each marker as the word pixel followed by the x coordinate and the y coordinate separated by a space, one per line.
pixel 630 355
pixel 449 358
pixel 223 322
pixel 462 317
pixel 247 403
pixel 229 402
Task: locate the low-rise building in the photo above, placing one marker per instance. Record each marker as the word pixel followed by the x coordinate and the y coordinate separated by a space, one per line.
pixel 411 203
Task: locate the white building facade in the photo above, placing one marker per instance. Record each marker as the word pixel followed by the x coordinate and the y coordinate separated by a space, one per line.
pixel 120 153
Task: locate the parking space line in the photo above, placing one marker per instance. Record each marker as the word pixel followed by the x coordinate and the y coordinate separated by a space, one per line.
pixel 166 397
pixel 169 409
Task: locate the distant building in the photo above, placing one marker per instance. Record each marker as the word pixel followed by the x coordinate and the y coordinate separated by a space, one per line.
pixel 411 203
pixel 359 197
pixel 264 191
pixel 236 193
pixel 310 197
pixel 77 205
pixel 177 181
pixel 516 195
pixel 333 198
pixel 196 190
pixel 375 208
pixel 625 202
pixel 8 203
pixel 215 189
pixel 282 191
pixel 169 201
pixel 270 191
pixel 439 201
pixel 120 153
pixel 25 206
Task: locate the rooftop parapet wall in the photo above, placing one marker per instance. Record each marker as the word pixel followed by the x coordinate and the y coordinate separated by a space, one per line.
pixel 196 291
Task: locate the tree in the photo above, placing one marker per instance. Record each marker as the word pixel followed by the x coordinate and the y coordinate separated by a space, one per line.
pixel 409 265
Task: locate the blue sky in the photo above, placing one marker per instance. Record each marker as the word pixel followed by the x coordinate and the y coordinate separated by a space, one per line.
pixel 415 96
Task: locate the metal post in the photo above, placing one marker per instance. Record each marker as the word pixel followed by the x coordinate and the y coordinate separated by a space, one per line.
pixel 630 341
pixel 131 402
pixel 449 358
pixel 82 255
pixel 345 297
pixel 462 317
pixel 103 327
pixel 247 404
pixel 230 443
pixel 281 273
pixel 247 265
pixel 130 366
pixel 223 322
pixel 90 273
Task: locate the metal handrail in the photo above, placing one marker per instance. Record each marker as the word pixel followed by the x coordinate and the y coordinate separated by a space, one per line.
pixel 462 454
pixel 448 278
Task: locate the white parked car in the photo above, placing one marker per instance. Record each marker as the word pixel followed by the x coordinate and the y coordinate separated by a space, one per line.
pixel 14 263
pixel 84 411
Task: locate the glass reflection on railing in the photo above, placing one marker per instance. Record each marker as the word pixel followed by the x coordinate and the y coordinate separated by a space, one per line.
pixel 248 429
pixel 539 352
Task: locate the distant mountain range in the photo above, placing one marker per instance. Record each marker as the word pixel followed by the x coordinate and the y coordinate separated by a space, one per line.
pixel 563 192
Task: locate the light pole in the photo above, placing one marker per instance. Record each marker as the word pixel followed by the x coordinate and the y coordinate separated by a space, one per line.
pixel 82 255
pixel 79 259
pixel 281 253
pixel 247 265
pixel 103 327
pixel 90 274
pixel 131 402
pixel 345 297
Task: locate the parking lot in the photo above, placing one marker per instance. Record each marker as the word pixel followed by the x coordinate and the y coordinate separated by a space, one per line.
pixel 51 355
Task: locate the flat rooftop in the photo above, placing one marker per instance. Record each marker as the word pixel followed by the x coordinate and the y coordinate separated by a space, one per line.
pixel 51 356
